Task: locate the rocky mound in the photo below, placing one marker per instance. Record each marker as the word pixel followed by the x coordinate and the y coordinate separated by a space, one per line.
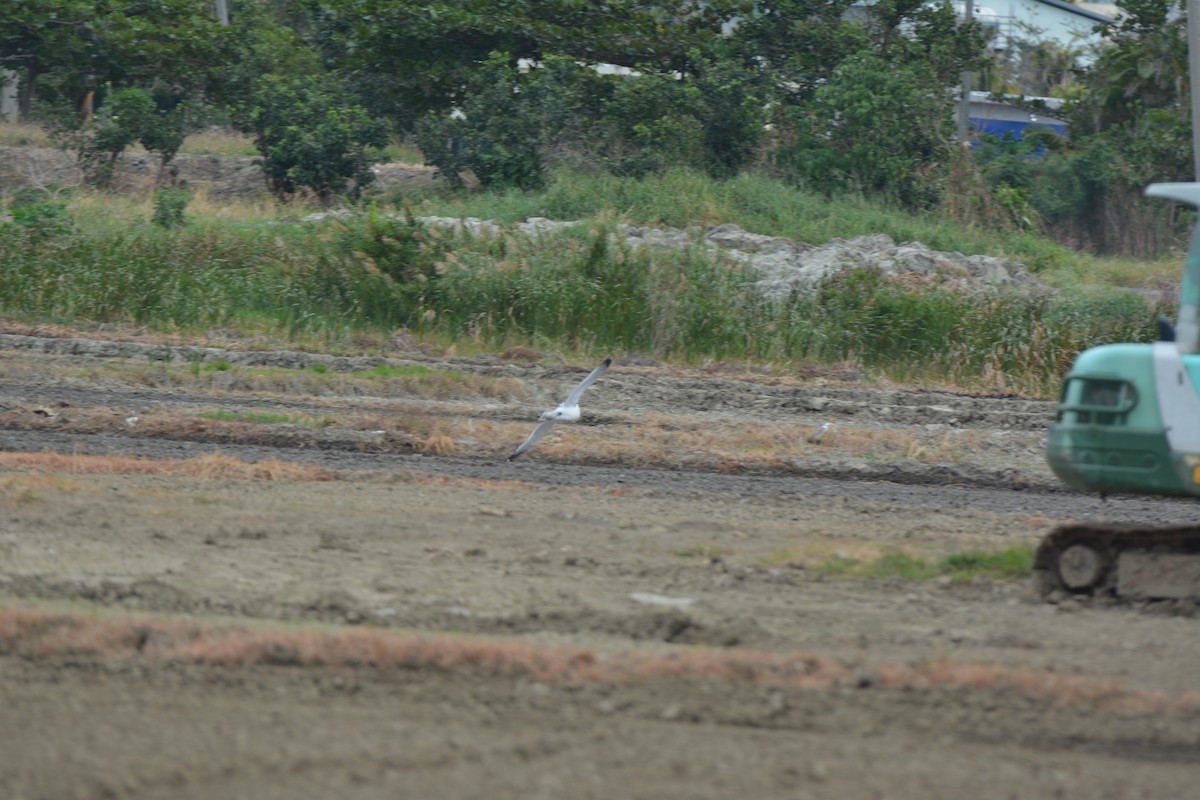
pixel 785 266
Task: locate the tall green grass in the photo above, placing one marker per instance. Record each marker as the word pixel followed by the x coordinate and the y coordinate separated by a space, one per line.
pixel 594 292
pixel 190 278
pixel 586 290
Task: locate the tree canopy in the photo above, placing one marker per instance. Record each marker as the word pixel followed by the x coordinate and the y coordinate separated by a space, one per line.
pixel 832 94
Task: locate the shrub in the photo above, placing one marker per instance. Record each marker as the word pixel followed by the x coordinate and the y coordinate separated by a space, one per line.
pixel 310 137
pixel 876 127
pixel 169 204
pixel 711 121
pixel 506 120
pixel 403 249
pixel 35 217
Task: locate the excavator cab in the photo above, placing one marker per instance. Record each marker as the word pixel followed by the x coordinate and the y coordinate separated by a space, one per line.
pixel 1108 433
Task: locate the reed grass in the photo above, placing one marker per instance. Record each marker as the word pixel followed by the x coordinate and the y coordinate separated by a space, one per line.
pixel 586 291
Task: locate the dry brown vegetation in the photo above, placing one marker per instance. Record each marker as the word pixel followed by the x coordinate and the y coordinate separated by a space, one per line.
pixel 36 633
pixel 213 466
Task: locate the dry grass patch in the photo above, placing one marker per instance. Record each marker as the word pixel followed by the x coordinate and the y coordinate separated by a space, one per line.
pixel 18 490
pixel 916 446
pixel 733 446
pixel 437 444
pixel 24 134
pixel 219 143
pixel 414 381
pixel 21 483
pixel 33 633
pixel 457 482
pixel 210 467
pixel 821 552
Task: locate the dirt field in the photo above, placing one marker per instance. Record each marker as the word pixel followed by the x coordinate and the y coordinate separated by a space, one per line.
pixel 230 573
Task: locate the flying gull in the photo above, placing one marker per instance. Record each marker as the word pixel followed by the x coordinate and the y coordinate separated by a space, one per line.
pixel 821 432
pixel 568 411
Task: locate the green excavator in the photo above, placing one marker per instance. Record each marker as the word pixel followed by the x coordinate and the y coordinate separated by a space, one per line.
pixel 1128 422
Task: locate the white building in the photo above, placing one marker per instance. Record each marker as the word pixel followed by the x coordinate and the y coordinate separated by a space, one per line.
pixel 1067 25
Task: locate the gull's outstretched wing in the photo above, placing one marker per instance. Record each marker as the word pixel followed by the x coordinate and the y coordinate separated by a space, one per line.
pixel 538 433
pixel 573 398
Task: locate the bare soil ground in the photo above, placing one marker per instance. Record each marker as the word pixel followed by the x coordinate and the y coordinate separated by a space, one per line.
pixel 228 572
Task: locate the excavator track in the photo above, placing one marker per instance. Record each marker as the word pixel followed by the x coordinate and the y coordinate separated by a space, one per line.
pixel 1130 563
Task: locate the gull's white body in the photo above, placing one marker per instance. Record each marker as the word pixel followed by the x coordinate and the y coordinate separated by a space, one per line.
pixel 567 411
pixel 820 433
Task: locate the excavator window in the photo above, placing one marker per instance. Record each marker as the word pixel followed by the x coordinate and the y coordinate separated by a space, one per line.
pixel 1097 401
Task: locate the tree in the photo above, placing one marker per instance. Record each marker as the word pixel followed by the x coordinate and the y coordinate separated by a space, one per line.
pixel 1145 67
pixel 711 118
pixel 505 121
pixel 311 136
pixel 865 91
pixel 1130 126
pixel 38 35
pixel 514 124
pixel 419 55
pixel 874 127
pixel 798 43
pixel 176 44
pixel 129 115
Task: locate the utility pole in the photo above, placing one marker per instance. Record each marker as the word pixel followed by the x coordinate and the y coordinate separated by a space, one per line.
pixel 1193 39
pixel 964 103
pixel 222 13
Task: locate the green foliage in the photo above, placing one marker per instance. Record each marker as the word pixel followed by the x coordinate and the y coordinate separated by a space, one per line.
pixel 1130 125
pixel 418 56
pixel 758 203
pixel 83 45
pixel 711 120
pixel 1088 193
pixel 513 124
pixel 654 126
pixel 120 122
pixel 798 43
pixel 271 37
pixel 193 276
pixel 253 417
pixel 586 289
pixel 169 205
pixel 1010 563
pixel 403 249
pixel 859 132
pixel 506 119
pixel 127 116
pixel 312 138
pixel 36 218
